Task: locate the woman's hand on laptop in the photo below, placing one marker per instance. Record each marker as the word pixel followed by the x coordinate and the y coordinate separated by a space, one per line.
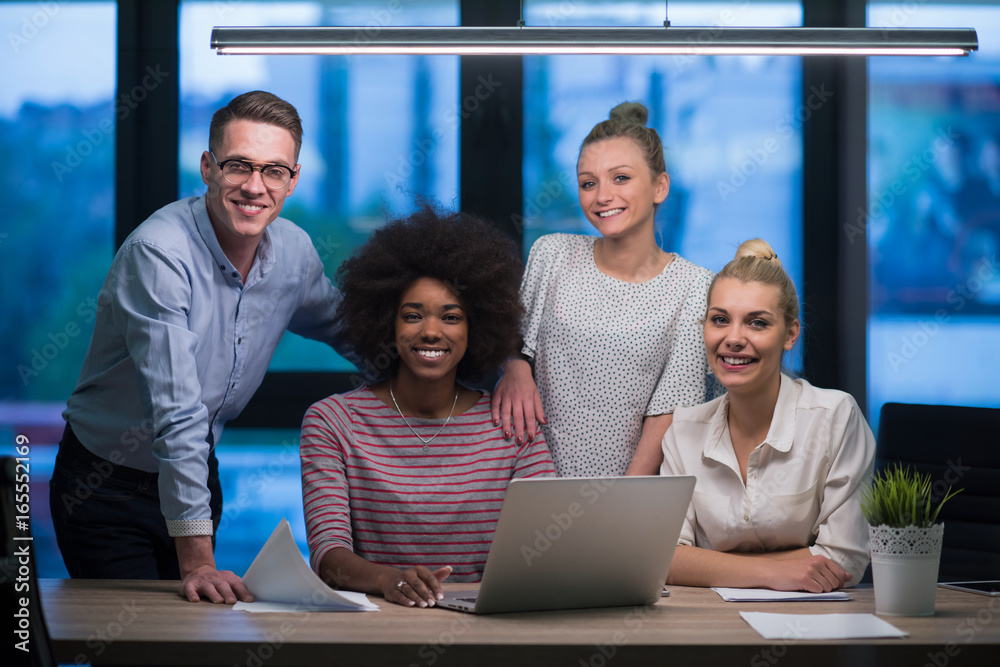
pixel 417 586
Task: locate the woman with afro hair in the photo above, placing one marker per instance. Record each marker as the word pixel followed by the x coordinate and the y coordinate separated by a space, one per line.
pixel 403 477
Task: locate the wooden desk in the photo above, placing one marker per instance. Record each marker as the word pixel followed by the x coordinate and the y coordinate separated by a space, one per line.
pixel 147 623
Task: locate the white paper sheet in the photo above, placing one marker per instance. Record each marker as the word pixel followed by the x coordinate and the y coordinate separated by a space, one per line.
pixel 281 580
pixel 794 627
pixel 767 595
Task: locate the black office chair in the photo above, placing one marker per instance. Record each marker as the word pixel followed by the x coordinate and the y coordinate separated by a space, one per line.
pixel 959 447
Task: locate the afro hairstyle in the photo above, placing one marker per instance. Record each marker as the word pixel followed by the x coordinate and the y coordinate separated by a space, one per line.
pixel 472 257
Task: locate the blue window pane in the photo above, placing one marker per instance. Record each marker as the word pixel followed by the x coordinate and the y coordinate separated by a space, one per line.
pixel 380 132
pixel 57 135
pixel 933 218
pixel 731 128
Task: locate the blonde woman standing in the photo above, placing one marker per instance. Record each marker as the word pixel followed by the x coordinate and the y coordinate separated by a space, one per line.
pixel 611 329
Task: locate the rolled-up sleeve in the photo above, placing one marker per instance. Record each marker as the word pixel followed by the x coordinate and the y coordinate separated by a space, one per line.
pixel 316 316
pixel 151 298
pixel 326 433
pixel 841 530
pixel 672 465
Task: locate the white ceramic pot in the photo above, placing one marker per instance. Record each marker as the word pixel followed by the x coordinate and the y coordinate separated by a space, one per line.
pixel 905 568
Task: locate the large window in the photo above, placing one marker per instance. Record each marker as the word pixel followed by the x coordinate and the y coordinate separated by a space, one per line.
pixel 58 113
pixel 380 132
pixel 380 135
pixel 933 219
pixel 731 128
pixel 57 136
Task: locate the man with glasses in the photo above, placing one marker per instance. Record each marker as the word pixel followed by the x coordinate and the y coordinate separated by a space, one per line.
pixel 193 307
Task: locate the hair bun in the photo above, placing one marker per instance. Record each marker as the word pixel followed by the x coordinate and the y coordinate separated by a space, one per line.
pixel 758 248
pixel 634 113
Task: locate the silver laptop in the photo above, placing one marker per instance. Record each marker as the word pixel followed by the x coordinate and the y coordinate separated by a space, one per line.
pixel 575 542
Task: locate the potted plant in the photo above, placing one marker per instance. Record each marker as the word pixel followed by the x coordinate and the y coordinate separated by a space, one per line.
pixel 906 540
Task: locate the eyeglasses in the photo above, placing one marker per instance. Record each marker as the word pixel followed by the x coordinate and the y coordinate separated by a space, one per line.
pixel 238 172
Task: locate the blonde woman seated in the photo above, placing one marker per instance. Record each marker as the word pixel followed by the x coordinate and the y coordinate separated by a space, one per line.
pixel 403 479
pixel 779 463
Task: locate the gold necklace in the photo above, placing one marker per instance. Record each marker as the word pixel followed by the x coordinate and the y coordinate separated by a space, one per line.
pixel 393 397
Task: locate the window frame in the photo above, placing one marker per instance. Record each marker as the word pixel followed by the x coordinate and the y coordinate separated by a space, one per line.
pixel 835 271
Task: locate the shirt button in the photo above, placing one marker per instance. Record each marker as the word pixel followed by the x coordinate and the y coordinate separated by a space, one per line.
pixel 746 518
pixel 235 275
pixel 222 266
pixel 753 476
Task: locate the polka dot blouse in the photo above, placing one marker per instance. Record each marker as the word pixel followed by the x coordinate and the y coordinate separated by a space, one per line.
pixel 607 352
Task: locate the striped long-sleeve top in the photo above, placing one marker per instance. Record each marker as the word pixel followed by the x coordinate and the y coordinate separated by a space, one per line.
pixel 369 486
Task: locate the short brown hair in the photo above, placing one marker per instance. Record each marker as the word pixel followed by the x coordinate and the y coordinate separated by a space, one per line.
pixel 261 107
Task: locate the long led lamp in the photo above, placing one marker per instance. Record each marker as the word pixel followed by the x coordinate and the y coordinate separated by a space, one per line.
pixel 635 41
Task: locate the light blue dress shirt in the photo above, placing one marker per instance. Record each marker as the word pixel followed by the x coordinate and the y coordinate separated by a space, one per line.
pixel 181 343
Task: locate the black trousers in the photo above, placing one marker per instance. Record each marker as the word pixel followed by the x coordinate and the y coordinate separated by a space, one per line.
pixel 107 517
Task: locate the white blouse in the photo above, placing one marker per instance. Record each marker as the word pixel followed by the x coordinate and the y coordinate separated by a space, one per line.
pixel 803 482
pixel 607 353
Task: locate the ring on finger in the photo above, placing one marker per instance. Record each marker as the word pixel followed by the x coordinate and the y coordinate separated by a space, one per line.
pixel 399 586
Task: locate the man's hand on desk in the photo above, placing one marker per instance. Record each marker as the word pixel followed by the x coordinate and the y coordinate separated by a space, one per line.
pixel 200 579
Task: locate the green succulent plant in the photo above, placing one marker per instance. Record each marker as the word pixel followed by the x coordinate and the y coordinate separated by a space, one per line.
pixel 900 497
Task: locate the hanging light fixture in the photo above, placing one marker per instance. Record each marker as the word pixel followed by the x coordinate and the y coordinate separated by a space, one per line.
pixel 667 40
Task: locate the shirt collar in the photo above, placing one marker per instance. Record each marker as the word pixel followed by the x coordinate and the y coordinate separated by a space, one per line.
pixel 779 435
pixel 265 249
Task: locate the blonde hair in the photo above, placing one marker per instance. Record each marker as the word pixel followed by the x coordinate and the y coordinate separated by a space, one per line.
pixel 628 119
pixel 756 262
